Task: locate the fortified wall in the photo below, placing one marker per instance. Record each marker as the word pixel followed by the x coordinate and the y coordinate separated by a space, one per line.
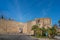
pixel 9 26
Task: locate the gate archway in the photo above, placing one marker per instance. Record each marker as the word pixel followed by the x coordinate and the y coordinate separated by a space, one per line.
pixel 20 30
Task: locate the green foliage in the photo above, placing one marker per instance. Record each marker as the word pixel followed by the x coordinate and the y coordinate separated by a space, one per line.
pixel 34 27
pixel 2 17
pixel 40 32
pixel 52 32
pixel 43 31
pixel 59 22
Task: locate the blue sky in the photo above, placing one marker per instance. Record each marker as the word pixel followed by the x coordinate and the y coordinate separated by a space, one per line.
pixel 25 10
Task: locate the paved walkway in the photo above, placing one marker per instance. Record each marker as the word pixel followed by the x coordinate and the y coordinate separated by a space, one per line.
pixel 21 37
pixel 16 37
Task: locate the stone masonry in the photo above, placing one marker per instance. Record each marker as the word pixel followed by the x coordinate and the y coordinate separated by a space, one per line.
pixel 9 26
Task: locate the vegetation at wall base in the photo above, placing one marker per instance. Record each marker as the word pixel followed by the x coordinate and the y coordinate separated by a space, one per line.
pixel 44 33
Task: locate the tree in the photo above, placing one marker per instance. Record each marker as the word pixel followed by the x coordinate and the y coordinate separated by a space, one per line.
pixel 9 19
pixel 43 31
pixel 59 22
pixel 2 17
pixel 34 27
pixel 52 31
pixel 55 28
pixel 49 32
pixel 38 32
